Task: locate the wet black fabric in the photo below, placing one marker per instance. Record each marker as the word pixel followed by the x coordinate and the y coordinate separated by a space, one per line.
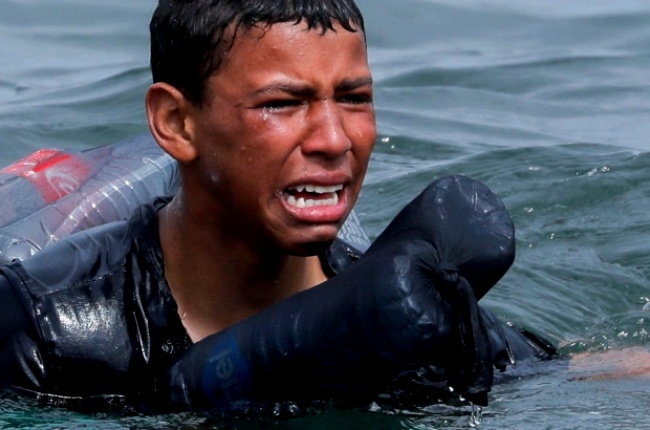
pixel 98 320
pixel 90 323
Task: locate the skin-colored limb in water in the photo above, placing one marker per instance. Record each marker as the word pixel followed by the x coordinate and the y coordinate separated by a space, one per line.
pixel 613 364
pixel 271 164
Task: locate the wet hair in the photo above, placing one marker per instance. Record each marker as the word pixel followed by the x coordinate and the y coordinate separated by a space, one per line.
pixel 190 38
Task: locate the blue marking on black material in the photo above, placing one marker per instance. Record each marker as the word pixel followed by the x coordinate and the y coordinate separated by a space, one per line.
pixel 227 376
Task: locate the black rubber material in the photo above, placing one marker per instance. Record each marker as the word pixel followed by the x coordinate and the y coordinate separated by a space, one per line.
pixel 410 301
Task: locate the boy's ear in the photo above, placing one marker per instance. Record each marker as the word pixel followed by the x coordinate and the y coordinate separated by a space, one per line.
pixel 169 116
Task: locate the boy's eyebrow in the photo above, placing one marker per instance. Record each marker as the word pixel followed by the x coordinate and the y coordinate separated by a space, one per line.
pixel 304 90
pixel 353 84
pixel 292 88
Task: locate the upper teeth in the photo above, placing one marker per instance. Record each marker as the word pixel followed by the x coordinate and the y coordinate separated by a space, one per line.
pixel 318 188
pixel 306 202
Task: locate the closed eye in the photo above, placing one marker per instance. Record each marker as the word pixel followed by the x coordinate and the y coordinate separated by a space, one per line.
pixel 280 104
pixel 356 98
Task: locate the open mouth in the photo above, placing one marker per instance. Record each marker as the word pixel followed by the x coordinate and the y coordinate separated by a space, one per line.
pixel 307 196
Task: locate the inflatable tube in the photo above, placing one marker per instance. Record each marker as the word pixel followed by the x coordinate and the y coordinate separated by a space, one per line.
pixel 409 302
pixel 52 193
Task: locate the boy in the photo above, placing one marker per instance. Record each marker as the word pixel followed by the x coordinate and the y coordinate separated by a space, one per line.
pixel 208 298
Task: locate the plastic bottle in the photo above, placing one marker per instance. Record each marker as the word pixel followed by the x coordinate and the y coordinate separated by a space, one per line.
pixel 41 178
pixel 51 194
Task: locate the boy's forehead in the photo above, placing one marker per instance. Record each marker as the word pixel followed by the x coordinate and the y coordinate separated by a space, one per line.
pixel 262 32
pixel 237 31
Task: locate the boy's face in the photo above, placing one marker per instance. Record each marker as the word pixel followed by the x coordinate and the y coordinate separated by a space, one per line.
pixel 285 135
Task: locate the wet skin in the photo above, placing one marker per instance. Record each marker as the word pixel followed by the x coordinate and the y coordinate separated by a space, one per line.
pixel 271 164
pixel 284 139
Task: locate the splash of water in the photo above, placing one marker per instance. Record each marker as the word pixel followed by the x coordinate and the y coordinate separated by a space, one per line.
pixel 476 417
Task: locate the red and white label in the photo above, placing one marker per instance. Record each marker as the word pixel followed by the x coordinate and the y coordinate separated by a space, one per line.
pixel 54 173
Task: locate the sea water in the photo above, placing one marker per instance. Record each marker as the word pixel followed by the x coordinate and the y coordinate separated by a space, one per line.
pixel 547 102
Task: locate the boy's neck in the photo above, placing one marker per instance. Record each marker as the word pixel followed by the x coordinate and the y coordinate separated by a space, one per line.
pixel 217 283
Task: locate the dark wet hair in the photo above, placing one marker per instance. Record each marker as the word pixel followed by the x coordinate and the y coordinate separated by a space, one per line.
pixel 190 38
